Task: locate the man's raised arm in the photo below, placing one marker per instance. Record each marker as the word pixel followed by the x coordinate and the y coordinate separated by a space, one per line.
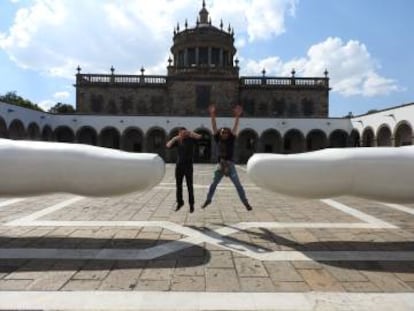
pixel 212 111
pixel 238 110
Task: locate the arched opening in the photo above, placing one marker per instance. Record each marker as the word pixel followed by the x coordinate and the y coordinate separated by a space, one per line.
pixel 293 142
pixel 47 133
pixel 315 140
pixel 64 134
pixel 87 135
pixel 171 154
pixel 132 140
pixel 3 129
pixel 109 138
pixel 202 150
pixel 384 136
pixel 16 130
pixel 270 142
pixel 354 139
pixel 33 131
pixel 338 139
pixel 368 137
pixel 155 141
pixel 246 145
pixel 403 134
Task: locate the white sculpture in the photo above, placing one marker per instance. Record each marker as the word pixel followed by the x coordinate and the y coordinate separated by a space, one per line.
pixel 31 168
pixel 380 173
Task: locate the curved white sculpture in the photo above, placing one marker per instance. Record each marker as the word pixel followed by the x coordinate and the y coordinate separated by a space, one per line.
pixel 32 168
pixel 380 173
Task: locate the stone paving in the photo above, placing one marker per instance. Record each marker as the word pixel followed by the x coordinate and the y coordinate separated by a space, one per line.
pixel 137 242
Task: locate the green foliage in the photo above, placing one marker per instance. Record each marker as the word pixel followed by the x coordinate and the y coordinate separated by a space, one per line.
pixel 62 108
pixel 13 99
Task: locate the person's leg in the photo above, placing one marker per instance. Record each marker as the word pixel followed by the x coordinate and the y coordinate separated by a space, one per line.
pixel 218 175
pixel 236 181
pixel 179 175
pixel 190 188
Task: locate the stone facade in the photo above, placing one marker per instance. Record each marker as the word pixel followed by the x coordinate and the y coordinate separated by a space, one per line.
pixel 203 70
pixel 122 100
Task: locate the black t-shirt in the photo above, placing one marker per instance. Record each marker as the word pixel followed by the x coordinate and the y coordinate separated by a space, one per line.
pixel 225 147
pixel 185 150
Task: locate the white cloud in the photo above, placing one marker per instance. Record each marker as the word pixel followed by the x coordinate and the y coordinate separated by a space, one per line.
pixel 260 19
pixel 272 65
pixel 352 70
pixel 61 95
pixel 54 36
pixel 240 42
pixel 47 104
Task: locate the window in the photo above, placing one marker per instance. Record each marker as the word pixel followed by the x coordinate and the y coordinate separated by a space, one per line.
pixel 203 56
pixel 215 56
pixel 181 62
pixel 191 57
pixel 203 96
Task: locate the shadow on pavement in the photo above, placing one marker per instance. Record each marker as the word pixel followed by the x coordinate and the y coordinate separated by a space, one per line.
pixel 384 266
pixel 183 256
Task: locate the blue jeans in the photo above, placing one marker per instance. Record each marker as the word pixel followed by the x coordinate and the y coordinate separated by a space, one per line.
pixel 232 174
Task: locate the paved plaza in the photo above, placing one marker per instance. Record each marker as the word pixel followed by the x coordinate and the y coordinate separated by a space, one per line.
pixel 133 252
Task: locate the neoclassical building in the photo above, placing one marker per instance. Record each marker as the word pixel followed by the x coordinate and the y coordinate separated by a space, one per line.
pixel 139 113
pixel 202 69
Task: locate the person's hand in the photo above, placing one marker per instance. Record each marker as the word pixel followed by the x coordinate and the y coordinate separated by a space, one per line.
pixel 212 110
pixel 238 110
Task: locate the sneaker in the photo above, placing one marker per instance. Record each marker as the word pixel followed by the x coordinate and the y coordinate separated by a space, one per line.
pixel 191 208
pixel 206 203
pixel 178 206
pixel 248 206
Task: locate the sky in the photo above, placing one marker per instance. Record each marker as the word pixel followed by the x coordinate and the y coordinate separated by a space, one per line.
pixel 366 45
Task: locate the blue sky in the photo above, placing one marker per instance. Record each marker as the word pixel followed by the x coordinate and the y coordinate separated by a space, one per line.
pixel 366 45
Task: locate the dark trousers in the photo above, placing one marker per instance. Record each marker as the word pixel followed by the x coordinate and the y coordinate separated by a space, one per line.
pixel 186 170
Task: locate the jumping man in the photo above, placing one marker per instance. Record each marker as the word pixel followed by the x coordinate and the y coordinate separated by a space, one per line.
pixel 184 142
pixel 225 138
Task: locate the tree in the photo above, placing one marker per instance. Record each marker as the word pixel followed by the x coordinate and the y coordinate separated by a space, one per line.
pixel 13 99
pixel 62 108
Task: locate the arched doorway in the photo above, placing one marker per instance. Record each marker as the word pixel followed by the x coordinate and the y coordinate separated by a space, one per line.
pixel 3 129
pixel 47 133
pixel 384 136
pixel 338 139
pixel 293 141
pixel 132 140
pixel 16 130
pixel 155 141
pixel 246 145
pixel 109 138
pixel 171 153
pixel 354 139
pixel 64 134
pixel 403 134
pixel 202 150
pixel 315 140
pixel 33 131
pixel 368 137
pixel 270 142
pixel 87 135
